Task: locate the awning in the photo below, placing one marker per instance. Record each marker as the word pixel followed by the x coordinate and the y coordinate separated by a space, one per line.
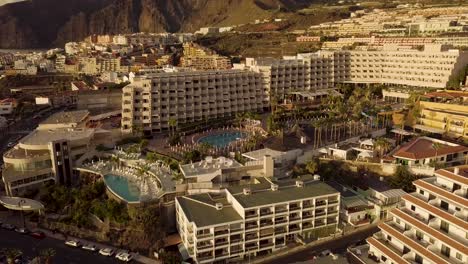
pixel 429 129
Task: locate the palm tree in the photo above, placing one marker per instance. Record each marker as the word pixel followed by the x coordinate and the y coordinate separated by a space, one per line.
pixel 436 146
pixel 172 126
pixel 383 145
pixel 11 254
pixel 47 255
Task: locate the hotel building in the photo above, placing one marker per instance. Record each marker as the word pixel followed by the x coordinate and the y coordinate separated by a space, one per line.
pixel 188 97
pixel 241 222
pixel 304 72
pixel 444 112
pixel 48 153
pixel 431 227
pixel 432 67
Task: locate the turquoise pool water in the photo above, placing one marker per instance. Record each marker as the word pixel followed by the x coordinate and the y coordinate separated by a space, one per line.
pixel 222 139
pixel 122 187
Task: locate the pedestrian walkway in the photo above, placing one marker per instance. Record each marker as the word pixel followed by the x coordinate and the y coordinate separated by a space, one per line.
pixel 59 236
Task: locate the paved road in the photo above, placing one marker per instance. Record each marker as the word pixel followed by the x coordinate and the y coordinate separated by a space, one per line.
pixel 336 246
pixel 65 255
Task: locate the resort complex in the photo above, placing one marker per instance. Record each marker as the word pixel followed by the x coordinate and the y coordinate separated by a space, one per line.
pixel 310 132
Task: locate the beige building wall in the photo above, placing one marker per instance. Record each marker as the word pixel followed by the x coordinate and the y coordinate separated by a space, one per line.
pixel 189 97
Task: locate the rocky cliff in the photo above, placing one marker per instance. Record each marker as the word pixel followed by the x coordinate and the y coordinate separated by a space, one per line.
pixel 46 23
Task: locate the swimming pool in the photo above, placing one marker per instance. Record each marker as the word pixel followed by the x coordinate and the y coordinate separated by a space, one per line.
pixel 121 187
pixel 222 139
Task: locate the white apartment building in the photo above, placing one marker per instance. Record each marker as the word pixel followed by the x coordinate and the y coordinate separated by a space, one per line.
pixel 241 222
pixel 188 97
pixel 48 153
pixel 304 72
pixel 431 227
pixel 432 67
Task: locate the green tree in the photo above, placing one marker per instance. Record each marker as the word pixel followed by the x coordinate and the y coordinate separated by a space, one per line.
pixel 47 255
pixel 403 179
pixel 11 254
pixel 313 166
pixel 382 145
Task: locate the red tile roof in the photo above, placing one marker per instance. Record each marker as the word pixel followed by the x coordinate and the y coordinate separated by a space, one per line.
pixel 433 232
pixel 421 148
pixel 387 252
pixel 461 177
pixel 441 192
pixel 411 243
pixel 436 211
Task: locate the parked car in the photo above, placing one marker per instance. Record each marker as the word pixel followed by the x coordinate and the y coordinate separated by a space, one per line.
pixel 22 230
pixel 8 227
pixel 124 256
pixel 72 243
pixel 106 252
pixel 38 235
pixel 90 247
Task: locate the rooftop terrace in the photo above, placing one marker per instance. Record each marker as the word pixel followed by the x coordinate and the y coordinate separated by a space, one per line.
pixel 66 117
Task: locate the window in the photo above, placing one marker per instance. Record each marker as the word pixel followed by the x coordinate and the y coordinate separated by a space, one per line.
pixel 418 259
pixel 445 251
pixel 444 226
pixel 459 256
pixel 421 192
pixel 444 205
pixel 413 208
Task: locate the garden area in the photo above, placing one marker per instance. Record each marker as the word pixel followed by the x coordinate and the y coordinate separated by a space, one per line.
pixel 74 212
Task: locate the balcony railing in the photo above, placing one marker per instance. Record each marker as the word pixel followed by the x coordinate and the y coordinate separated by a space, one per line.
pixel 249 227
pixel 248 216
pixel 221 232
pixel 201 236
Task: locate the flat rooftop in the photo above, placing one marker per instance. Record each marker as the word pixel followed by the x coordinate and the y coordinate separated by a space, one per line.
pixel 43 137
pixel 207 166
pixel 259 154
pixel 201 209
pixel 262 194
pixel 66 117
pixel 425 147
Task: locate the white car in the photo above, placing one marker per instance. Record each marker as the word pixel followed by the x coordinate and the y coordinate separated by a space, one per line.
pixel 106 252
pixel 89 247
pixel 124 256
pixel 72 243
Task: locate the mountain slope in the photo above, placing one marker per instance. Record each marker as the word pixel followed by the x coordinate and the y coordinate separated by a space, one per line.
pixel 44 23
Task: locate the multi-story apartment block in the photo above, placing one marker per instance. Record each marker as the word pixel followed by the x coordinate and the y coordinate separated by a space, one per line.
pixel 444 113
pixel 304 72
pixel 208 62
pixel 241 222
pixel 189 97
pixel 431 227
pixel 48 153
pixel 432 67
pixel 109 65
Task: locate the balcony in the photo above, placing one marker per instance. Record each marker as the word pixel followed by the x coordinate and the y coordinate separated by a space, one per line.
pixel 204 258
pixel 251 247
pixel 265 213
pixel 221 243
pixel 202 247
pixel 249 227
pixel 332 202
pixel 319 213
pixel 307 216
pixel 307 205
pixel 251 237
pixel 251 215
pixel 203 236
pixel 266 245
pixel 221 232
